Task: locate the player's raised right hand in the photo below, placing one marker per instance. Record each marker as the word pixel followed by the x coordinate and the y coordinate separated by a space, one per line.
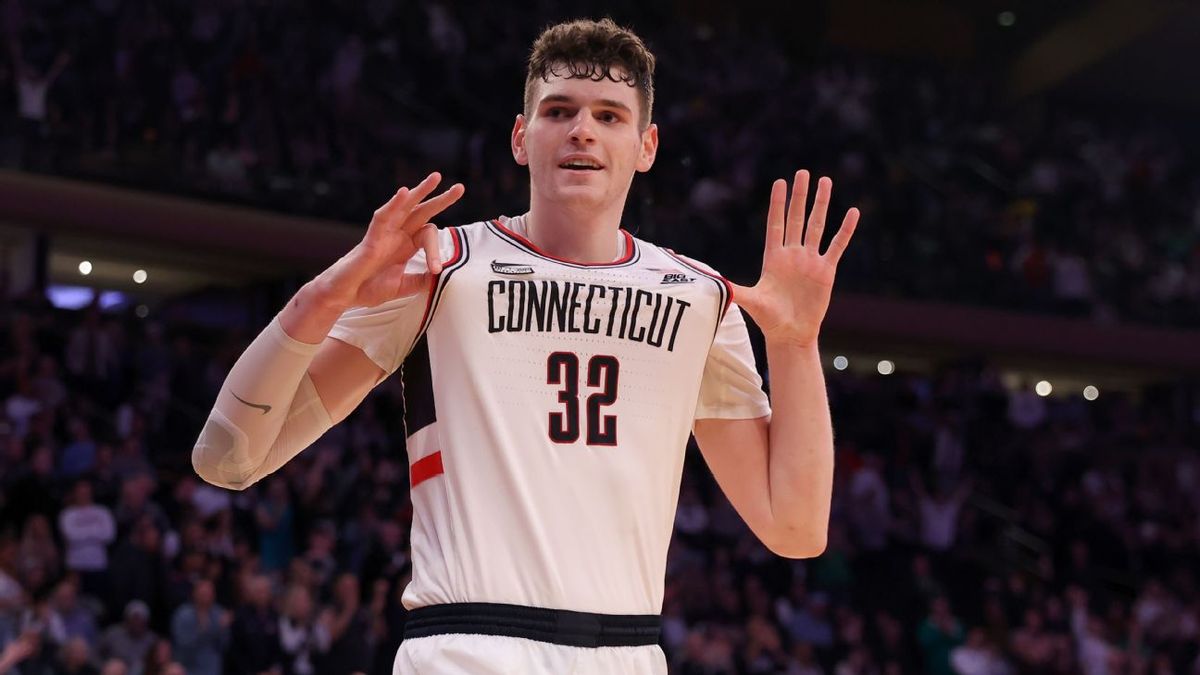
pixel 374 270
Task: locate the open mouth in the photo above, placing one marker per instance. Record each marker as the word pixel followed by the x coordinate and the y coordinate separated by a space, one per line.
pixel 580 165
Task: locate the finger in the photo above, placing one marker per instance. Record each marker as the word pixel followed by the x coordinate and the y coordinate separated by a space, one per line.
pixel 816 220
pixel 796 207
pixel 775 218
pixel 745 297
pixel 428 209
pixel 383 212
pixel 411 284
pixel 422 190
pixel 395 212
pixel 427 237
pixel 842 239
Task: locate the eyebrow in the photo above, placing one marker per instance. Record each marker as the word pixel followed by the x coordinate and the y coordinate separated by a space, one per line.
pixel 603 102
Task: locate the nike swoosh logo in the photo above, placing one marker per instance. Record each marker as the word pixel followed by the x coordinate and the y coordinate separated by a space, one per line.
pixel 265 408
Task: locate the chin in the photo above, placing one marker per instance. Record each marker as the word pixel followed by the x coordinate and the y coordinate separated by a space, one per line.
pixel 579 196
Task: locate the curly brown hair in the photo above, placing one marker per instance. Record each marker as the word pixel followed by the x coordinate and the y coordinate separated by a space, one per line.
pixel 594 50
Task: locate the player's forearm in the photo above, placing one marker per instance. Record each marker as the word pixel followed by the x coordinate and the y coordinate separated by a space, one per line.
pixel 801 447
pixel 267 410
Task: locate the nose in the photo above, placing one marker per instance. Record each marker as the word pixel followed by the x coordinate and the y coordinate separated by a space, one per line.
pixel 582 132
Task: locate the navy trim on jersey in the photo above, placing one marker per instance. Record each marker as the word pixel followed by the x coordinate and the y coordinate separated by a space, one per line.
pixel 722 283
pixel 416 374
pixel 633 252
pixel 462 253
pixel 416 378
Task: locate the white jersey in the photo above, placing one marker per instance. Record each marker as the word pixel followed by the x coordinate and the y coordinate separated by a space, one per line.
pixel 547 409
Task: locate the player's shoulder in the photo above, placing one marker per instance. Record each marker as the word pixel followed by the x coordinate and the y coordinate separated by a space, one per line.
pixel 456 241
pixel 655 255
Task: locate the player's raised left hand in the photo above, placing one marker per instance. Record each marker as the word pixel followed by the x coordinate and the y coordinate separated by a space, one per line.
pixel 792 295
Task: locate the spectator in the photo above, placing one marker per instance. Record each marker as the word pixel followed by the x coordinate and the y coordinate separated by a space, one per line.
pixel 938 635
pixel 21 406
pixel 159 659
pixel 144 574
pixel 91 354
pixel 131 640
pixel 254 635
pixel 76 658
pixel 32 489
pixel 803 661
pixel 939 514
pixel 978 656
pixel 33 88
pixel 87 529
pixel 275 524
pixel 68 619
pixel 78 456
pixel 857 662
pixel 763 650
pixel 200 632
pixel 1033 648
pixel 870 505
pixel 114 667
pixel 15 652
pixel 303 638
pixel 809 619
pixel 37 550
pixel 348 625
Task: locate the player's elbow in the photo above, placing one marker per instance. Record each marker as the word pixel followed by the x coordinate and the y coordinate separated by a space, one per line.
pixel 796 544
pixel 210 473
pixel 223 455
pixel 214 462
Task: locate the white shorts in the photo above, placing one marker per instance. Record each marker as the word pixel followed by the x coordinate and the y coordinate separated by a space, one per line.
pixel 469 654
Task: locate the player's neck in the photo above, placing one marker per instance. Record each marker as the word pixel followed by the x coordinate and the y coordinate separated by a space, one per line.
pixel 586 236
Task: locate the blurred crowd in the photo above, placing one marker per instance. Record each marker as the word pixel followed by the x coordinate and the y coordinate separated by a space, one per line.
pixel 977 528
pixel 324 108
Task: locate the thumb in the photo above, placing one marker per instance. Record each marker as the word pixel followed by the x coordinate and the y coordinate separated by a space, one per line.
pixel 746 297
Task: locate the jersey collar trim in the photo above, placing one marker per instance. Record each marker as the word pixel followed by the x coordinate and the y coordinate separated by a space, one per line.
pixel 632 252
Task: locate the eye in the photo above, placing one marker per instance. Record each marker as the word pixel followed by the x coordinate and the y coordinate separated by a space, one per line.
pixel 609 117
pixel 555 112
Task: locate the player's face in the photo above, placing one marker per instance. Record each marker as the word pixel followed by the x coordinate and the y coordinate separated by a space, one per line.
pixel 582 141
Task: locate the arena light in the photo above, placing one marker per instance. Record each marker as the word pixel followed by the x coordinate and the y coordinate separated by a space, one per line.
pixel 142 311
pixel 1043 388
pixel 139 277
pixel 85 267
pixel 840 362
pixel 1091 393
pixel 886 367
pixel 1006 19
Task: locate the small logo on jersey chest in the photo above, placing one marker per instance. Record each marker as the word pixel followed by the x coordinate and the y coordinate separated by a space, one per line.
pixel 510 268
pixel 677 278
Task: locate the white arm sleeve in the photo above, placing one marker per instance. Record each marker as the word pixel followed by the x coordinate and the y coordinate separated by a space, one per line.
pixel 266 412
pixel 268 409
pixel 731 387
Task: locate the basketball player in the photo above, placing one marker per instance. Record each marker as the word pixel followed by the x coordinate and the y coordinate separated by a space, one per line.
pixel 553 367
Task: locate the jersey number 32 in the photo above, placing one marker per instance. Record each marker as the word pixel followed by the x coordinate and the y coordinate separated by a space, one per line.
pixel 562 369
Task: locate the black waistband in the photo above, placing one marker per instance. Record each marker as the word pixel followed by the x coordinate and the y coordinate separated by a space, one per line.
pixel 558 626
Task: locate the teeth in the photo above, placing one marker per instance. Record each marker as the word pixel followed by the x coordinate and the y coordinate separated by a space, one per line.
pixel 578 164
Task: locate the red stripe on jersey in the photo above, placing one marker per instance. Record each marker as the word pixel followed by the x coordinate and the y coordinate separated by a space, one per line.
pixel 533 247
pixel 425 468
pixel 433 280
pixel 715 277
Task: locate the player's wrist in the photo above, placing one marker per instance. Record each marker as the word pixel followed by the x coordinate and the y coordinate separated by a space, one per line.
pixel 327 294
pixel 790 343
pixel 311 313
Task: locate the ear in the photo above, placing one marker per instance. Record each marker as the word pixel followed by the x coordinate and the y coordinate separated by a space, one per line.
pixel 518 141
pixel 649 148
